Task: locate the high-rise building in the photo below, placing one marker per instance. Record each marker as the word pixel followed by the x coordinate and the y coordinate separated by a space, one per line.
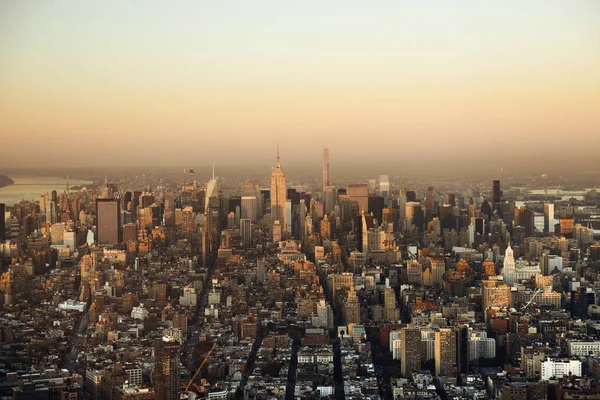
pixel 444 350
pixel 251 188
pixel 496 192
pixel 352 308
pixel 480 346
pixel 359 194
pixel 330 198
pixel 246 231
pixel 495 294
pixel 549 220
pixel 389 305
pixel 325 168
pixel 410 345
pixel 278 195
pixel 2 222
pixel 509 271
pixel 107 221
pixel 438 269
pixel 384 188
pixel 166 368
pixel 249 207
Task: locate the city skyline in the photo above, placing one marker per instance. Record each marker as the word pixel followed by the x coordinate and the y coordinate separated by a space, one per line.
pixel 203 79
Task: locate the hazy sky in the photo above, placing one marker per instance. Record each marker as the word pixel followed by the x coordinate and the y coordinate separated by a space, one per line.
pixel 157 82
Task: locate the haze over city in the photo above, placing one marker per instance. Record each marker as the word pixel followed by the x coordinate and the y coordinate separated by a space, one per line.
pixel 154 83
pixel 277 200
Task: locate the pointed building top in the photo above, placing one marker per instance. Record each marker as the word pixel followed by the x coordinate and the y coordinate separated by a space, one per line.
pixel 278 160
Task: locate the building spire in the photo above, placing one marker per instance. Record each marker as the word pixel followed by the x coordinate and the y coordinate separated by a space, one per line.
pixel 278 160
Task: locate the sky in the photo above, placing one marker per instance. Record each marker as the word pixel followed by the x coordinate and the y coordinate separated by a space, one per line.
pixel 143 82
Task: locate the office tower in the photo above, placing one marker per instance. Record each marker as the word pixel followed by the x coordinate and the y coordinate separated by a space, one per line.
pixel 301 219
pixel 376 204
pixel 251 188
pixel 246 231
pixel 495 294
pixel 278 195
pixel 549 220
pixel 166 368
pixel 325 168
pixel 107 221
pixel 44 200
pixel 352 308
pixel 509 271
pixel 447 217
pixel 429 204
pixel 525 218
pixel 496 192
pixel 2 222
pixel 410 345
pixel 169 208
pixel 129 232
pixel 330 198
pixel 325 228
pixel 438 269
pixel 359 194
pixel 452 199
pixel 324 315
pixel 249 207
pixel 414 272
pixel 389 305
pixel 188 221
pixel 288 218
pixel 384 188
pixel 444 350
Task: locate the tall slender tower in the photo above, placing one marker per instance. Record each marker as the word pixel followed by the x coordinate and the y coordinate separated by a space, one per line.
pixel 325 168
pixel 278 195
pixel 166 368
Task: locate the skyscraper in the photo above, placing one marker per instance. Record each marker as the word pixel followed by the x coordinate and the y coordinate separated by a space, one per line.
pixel 252 188
pixel 330 198
pixel 549 220
pixel 444 350
pixel 107 221
pixel 410 344
pixel 325 168
pixel 246 231
pixel 2 222
pixel 249 207
pixel 166 368
pixel 496 192
pixel 278 195
pixel 359 193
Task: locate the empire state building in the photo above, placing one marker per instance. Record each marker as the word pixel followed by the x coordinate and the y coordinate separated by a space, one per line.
pixel 278 195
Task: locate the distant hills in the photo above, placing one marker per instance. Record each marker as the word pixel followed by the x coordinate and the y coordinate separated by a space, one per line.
pixel 5 181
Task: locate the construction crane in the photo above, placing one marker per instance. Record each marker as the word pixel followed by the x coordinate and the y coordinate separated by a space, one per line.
pixel 530 300
pixel 187 388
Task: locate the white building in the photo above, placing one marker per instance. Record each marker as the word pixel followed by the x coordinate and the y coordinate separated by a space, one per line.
pixel 480 346
pixel 559 368
pixel 395 344
pixel 139 312
pixel 583 348
pixel 189 297
pixel 516 271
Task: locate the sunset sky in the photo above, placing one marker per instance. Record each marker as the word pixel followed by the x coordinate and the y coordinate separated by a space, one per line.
pixel 84 83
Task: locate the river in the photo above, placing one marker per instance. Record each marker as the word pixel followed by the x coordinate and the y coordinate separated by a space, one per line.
pixel 31 187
